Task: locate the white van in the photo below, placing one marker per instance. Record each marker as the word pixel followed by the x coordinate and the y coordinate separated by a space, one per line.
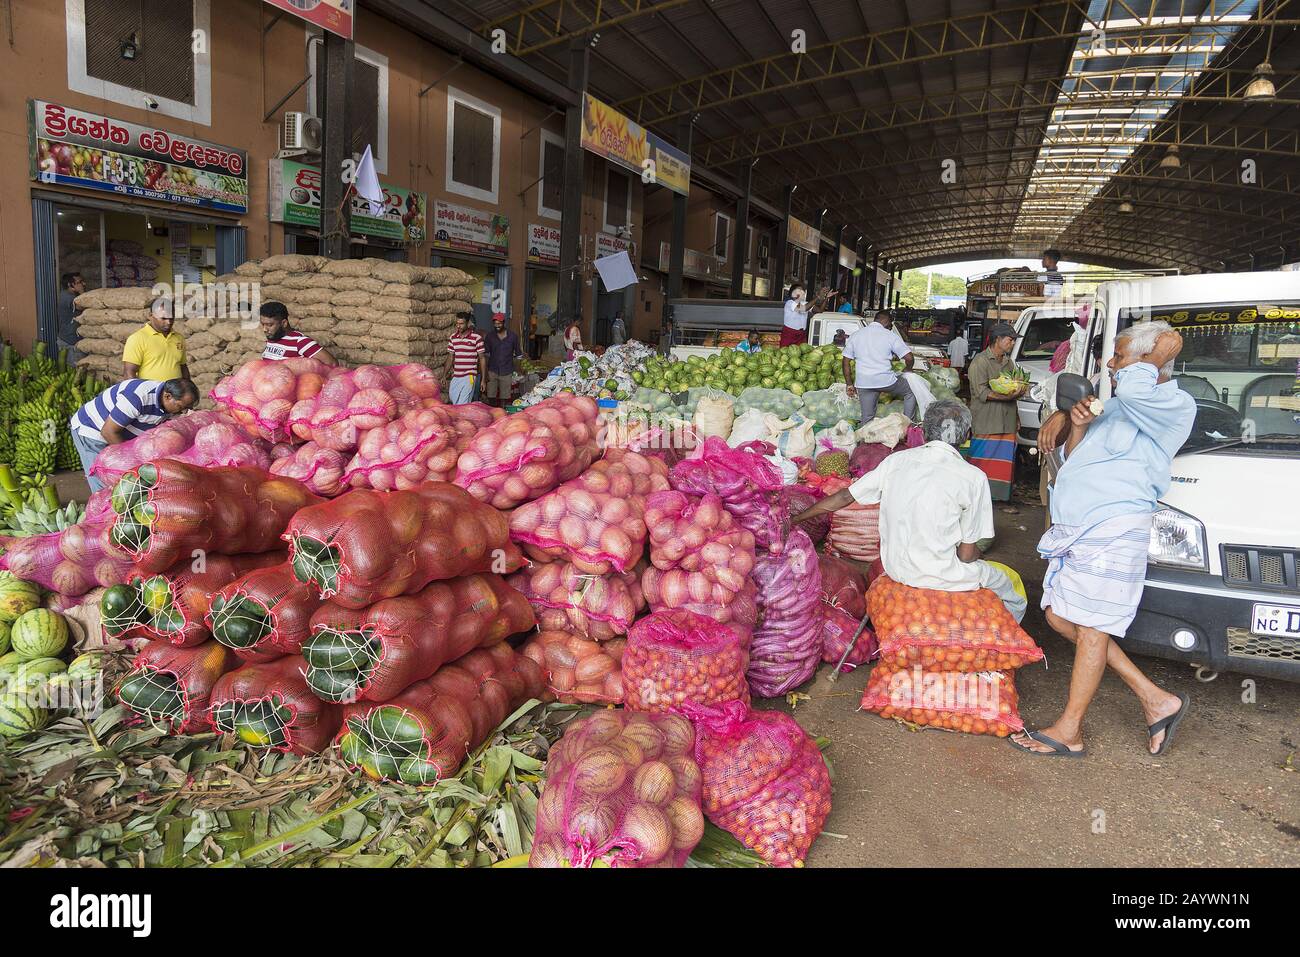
pixel 1041 329
pixel 1222 588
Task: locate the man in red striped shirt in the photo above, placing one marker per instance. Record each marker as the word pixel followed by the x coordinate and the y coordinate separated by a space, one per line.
pixel 284 342
pixel 468 360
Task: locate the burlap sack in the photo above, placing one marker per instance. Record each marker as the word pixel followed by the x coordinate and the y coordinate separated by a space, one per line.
pixel 350 313
pixel 419 291
pixel 399 333
pixel 201 324
pixel 100 347
pixel 364 283
pixel 274 277
pixel 309 297
pixel 446 276
pixel 395 272
pixel 290 262
pixel 347 267
pixel 226 331
pixel 352 297
pixel 352 329
pixel 126 297
pixel 300 280
pixel 250 268
pixel 394 304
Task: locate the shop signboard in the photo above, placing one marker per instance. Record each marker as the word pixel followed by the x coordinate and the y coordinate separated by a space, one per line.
pixel 607 244
pixel 800 234
pixel 295 201
pixel 608 133
pixel 543 244
pixel 85 150
pixel 848 257
pixel 465 229
pixel 336 16
pixel 1006 287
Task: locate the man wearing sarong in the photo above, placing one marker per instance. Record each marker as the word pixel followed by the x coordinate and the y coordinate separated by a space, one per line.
pixel 995 416
pixel 1116 469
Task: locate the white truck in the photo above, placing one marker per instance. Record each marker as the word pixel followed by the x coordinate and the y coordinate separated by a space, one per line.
pixel 1223 582
pixel 1041 329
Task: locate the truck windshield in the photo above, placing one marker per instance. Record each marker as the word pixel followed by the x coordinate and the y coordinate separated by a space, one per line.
pixel 1241 363
pixel 1043 336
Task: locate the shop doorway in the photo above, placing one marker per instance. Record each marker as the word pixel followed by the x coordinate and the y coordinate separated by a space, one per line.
pixel 541 294
pixel 607 304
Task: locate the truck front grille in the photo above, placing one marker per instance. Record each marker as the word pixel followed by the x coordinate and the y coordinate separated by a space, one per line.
pixel 1260 567
pixel 1243 644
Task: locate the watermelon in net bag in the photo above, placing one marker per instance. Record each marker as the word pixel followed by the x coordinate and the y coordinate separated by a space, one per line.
pixel 675 657
pixel 269 705
pixel 595 606
pixel 524 456
pixel 947 630
pixel 764 779
pixel 261 393
pixel 422 445
pixel 199 438
pixel 622 790
pixel 266 611
pixel 169 686
pixel 168 511
pixel 425 732
pixel 751 487
pixel 983 702
pixel 321 470
pixel 786 647
pixel 172 605
pixel 373 653
pixel 73 561
pixel 597 520
pixel 365 546
pixel 578 669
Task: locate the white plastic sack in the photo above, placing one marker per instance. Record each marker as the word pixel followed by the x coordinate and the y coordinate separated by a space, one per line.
pixel 796 438
pixel 840 438
pixel 921 389
pixel 887 429
pixel 789 471
pixel 754 426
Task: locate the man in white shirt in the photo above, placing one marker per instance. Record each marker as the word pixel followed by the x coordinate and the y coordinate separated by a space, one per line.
pixel 934 508
pixel 873 348
pixel 958 350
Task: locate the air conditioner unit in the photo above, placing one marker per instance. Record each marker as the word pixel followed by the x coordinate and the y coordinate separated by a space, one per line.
pixel 300 132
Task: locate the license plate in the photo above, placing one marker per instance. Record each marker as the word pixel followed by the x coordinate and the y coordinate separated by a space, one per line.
pixel 1280 620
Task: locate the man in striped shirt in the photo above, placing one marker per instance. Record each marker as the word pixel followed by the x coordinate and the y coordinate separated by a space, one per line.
pixel 123 411
pixel 285 342
pixel 468 360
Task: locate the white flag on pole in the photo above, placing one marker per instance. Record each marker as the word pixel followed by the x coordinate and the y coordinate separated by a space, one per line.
pixel 367 183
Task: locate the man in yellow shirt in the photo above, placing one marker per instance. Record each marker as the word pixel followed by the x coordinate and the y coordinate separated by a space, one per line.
pixel 154 352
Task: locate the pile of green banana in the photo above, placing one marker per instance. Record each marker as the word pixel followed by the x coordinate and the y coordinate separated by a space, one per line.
pixel 38 395
pixel 30 506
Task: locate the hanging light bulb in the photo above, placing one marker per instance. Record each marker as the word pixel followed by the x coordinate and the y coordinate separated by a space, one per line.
pixel 1171 159
pixel 1260 89
pixel 1126 207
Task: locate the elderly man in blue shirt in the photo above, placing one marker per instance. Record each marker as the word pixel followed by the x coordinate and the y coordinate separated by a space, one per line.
pixel 1116 468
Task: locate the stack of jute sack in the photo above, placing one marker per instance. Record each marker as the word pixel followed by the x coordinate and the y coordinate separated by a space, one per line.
pixel 108 316
pixel 368 310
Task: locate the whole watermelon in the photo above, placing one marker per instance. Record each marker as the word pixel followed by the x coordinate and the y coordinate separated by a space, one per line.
pixel 17 717
pixel 39 633
pixel 16 597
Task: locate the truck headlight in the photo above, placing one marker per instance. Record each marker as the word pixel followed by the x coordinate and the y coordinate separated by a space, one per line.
pixel 1177 539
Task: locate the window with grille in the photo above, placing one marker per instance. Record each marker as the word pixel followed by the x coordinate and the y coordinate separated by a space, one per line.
pixel 473 146
pixel 551 187
pixel 160 35
pixel 618 199
pixel 367 99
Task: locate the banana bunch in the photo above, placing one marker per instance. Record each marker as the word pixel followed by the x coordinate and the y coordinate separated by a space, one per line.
pixel 38 518
pixel 37 440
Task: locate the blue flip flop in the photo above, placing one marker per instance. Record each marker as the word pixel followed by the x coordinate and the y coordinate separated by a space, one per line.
pixel 1059 750
pixel 1168 725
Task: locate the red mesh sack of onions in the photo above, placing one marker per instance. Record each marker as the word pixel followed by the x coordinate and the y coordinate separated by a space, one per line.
pixel 321 470
pixel 597 520
pixel 172 605
pixel 947 630
pixel 365 546
pixel 675 657
pixel 269 705
pixel 261 393
pixel 424 733
pixel 267 611
pixel 838 631
pixel 764 779
pixel 983 702
pixel 595 606
pixel 622 790
pixel 843 586
pixel 678 590
pixel 74 561
pixel 352 401
pixel 524 456
pixel 169 687
pixel 372 654
pixel 751 487
pixel 421 445
pixel 786 646
pixel 855 532
pixel 799 499
pixel 579 670
pixel 200 438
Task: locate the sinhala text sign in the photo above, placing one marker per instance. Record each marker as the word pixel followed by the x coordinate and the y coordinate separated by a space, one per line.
pixel 336 16
pixel 466 229
pixel 295 201
pixel 608 133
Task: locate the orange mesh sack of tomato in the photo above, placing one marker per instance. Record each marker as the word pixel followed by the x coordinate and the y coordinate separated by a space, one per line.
pixel 267 611
pixel 260 394
pixel 947 630
pixel 787 643
pixel 855 533
pixel 421 445
pixel 751 487
pixel 167 511
pixel 764 778
pixel 173 605
pixel 597 520
pixel 977 702
pixel 169 687
pixel 622 790
pixel 675 657
pixel 269 705
pixel 578 669
pixel 351 401
pixel 365 546
pixel 425 733
pixel 599 607
pixel 525 455
pixel 372 654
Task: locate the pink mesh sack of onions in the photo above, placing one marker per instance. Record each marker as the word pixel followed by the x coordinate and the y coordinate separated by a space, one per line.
pixel 676 657
pixel 764 779
pixel 749 485
pixel 352 401
pixel 855 533
pixel 421 445
pixel 321 470
pixel 261 393
pixel 564 597
pixel 200 438
pixel 77 559
pixel 622 790
pixel 787 644
pixel 526 455
pixel 597 520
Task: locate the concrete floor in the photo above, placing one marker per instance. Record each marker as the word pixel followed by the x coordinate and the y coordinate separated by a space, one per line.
pixel 1220 797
